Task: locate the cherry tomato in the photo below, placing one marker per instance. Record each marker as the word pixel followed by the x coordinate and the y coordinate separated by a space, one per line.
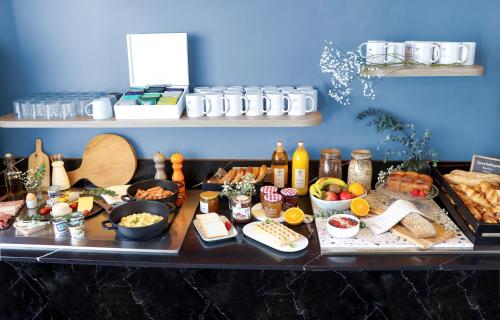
pixel 228 225
pixel 45 210
pixel 423 193
pixel 73 205
pixel 415 192
pixel 86 212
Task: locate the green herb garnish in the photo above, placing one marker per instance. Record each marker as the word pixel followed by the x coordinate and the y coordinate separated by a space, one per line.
pixel 97 192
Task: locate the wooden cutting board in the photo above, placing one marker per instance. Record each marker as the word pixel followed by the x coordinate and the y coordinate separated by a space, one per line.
pixel 379 203
pixel 38 158
pixel 108 160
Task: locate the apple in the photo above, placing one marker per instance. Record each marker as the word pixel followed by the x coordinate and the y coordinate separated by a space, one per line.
pixel 331 196
pixel 344 195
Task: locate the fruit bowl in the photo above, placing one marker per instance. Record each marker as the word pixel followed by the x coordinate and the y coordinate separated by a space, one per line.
pixel 332 205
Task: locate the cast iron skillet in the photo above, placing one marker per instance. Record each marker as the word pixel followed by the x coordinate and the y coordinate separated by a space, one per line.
pixel 139 233
pixel 146 184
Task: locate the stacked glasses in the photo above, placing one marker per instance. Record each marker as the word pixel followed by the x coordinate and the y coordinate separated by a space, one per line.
pixel 54 105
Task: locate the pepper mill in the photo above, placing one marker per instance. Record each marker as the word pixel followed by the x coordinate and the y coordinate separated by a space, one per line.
pixel 159 160
pixel 178 176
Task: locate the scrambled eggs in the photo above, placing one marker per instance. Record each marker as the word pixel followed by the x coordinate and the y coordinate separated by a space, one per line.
pixel 139 220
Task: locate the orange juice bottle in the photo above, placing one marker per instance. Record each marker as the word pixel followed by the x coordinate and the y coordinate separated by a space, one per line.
pixel 300 169
pixel 279 166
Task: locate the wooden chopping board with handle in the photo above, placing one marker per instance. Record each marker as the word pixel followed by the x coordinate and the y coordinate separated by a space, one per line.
pixel 36 159
pixel 379 203
pixel 108 160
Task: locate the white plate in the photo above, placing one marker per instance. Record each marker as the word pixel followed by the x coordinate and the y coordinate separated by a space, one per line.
pixel 259 214
pixel 232 232
pixel 298 245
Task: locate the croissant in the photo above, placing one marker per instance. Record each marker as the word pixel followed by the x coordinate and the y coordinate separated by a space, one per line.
pixel 469 204
pixel 474 195
pixel 489 191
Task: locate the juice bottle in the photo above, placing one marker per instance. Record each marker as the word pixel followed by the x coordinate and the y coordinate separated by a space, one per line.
pixel 279 166
pixel 300 169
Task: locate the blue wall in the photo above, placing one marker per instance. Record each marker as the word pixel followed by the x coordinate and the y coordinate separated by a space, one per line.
pixel 80 45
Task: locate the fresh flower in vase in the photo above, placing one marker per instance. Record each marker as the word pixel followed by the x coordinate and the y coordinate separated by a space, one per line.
pixel 243 187
pixel 32 180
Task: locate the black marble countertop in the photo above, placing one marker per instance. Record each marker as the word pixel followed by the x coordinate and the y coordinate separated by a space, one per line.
pixel 246 254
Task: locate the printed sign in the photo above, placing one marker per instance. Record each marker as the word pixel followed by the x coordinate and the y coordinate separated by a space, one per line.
pixel 485 164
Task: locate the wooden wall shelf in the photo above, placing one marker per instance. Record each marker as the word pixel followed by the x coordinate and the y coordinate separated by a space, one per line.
pixel 309 120
pixel 426 71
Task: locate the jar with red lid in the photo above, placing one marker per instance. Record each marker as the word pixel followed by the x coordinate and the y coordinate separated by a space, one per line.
pixel 272 205
pixel 290 198
pixel 267 190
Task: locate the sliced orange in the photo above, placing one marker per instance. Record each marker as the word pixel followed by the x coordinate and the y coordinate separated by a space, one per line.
pixel 360 207
pixel 356 189
pixel 294 216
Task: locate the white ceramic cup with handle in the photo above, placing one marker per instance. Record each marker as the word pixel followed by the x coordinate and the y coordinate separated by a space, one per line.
pixel 471 48
pixel 453 52
pixel 375 52
pixel 426 52
pixel 235 88
pixel 102 108
pixel 313 93
pixel 395 52
pixel 218 103
pixel 298 105
pixel 201 89
pixel 238 103
pixel 256 105
pixel 276 105
pixel 197 105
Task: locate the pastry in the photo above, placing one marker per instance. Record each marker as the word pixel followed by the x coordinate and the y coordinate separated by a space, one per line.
pixel 277 233
pixel 406 181
pixel 473 195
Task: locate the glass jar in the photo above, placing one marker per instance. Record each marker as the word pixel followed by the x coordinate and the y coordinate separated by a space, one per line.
pixel 267 190
pixel 209 202
pixel 290 198
pixel 360 168
pixel 272 205
pixel 330 164
pixel 241 208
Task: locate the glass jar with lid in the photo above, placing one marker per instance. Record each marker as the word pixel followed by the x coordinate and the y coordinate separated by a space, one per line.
pixel 272 205
pixel 241 206
pixel 360 168
pixel 209 202
pixel 330 164
pixel 290 198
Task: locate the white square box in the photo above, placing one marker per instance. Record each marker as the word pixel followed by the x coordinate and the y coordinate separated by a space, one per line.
pixel 156 59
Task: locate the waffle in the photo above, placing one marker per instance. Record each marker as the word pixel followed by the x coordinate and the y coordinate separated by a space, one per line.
pixel 277 233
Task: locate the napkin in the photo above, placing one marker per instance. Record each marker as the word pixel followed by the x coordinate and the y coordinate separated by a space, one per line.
pixel 395 213
pixel 120 191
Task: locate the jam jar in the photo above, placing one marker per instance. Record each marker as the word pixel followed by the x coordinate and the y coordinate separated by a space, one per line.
pixel 290 198
pixel 209 202
pixel 272 205
pixel 241 208
pixel 267 190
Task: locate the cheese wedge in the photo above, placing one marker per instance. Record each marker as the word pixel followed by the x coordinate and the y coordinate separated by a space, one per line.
pixel 211 225
pixel 85 203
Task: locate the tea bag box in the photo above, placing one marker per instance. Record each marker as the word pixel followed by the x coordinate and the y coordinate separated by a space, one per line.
pixel 156 59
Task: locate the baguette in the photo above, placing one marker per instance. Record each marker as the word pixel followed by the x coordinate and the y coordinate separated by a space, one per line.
pixel 471 178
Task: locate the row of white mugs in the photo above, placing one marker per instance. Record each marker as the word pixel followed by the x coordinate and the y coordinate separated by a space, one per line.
pixel 424 52
pixel 234 101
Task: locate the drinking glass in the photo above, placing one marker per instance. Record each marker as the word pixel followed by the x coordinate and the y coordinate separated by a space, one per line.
pixel 17 108
pixel 27 110
pixel 67 109
pixel 52 110
pixel 38 108
pixel 80 105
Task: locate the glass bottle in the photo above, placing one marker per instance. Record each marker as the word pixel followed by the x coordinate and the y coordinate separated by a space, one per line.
pixel 279 166
pixel 12 178
pixel 360 168
pixel 59 175
pixel 300 170
pixel 330 164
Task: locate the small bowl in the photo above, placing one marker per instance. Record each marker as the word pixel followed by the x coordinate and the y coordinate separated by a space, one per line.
pixel 339 232
pixel 333 205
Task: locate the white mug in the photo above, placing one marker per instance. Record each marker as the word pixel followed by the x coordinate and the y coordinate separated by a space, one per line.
pixel 395 52
pixel 298 105
pixel 197 105
pixel 313 93
pixel 218 88
pixel 285 88
pixel 252 88
pixel 471 48
pixel 305 87
pixel 426 52
pixel 453 52
pixel 201 89
pixel 101 109
pixel 409 49
pixel 217 104
pixel 276 105
pixel 236 105
pixel 270 88
pixel 376 51
pixel 256 103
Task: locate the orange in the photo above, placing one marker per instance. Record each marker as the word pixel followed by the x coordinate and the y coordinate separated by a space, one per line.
pixel 356 189
pixel 360 207
pixel 294 216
